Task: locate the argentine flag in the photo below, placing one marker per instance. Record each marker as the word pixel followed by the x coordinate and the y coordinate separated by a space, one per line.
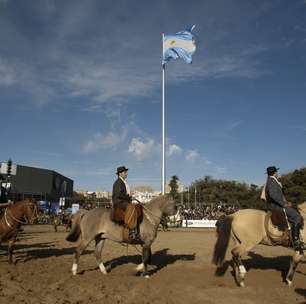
pixel 180 45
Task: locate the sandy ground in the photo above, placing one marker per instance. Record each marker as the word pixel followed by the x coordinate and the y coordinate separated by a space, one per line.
pixel 183 273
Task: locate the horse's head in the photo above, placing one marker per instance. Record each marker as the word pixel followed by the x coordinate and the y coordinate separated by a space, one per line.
pixel 30 211
pixel 169 206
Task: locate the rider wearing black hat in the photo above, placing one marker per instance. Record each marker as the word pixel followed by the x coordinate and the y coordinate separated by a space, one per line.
pixel 123 200
pixel 276 201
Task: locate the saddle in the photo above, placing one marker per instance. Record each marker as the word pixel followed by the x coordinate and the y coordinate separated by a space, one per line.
pixel 278 219
pixel 118 214
pixel 128 219
pixel 277 228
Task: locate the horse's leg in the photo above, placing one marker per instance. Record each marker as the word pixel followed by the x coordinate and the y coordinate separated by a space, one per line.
pixel 150 256
pixel 293 265
pixel 10 249
pixel 98 252
pixel 146 255
pixel 239 268
pixel 82 246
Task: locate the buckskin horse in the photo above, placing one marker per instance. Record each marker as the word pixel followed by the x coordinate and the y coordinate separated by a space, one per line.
pixel 15 215
pixel 248 228
pixel 97 225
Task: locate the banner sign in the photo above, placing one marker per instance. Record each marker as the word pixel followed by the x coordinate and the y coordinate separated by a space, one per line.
pixel 75 208
pixel 50 207
pixel 199 223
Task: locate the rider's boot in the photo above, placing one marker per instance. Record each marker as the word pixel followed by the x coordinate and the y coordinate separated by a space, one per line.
pixel 133 234
pixel 134 237
pixel 298 244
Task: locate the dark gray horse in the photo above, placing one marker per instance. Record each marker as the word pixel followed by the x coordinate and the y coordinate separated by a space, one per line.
pixel 96 225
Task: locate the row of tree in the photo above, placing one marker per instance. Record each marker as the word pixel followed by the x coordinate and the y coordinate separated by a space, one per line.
pixel 208 190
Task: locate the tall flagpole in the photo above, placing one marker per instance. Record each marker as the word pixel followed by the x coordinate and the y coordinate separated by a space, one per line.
pixel 163 124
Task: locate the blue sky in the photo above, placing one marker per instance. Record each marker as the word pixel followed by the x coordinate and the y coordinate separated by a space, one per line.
pixel 81 89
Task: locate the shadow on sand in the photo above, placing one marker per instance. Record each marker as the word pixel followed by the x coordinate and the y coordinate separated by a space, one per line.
pixel 301 292
pixel 160 259
pixel 258 261
pixel 27 252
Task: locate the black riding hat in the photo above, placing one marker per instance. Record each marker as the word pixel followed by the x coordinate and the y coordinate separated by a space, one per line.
pixel 121 169
pixel 271 170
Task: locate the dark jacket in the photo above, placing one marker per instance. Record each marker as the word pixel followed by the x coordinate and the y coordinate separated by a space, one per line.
pixel 120 197
pixel 274 194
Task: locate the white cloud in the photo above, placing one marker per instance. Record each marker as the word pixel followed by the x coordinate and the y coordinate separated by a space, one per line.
pixel 173 149
pixel 8 73
pixel 71 61
pixel 24 77
pixel 142 149
pixel 192 155
pixel 101 142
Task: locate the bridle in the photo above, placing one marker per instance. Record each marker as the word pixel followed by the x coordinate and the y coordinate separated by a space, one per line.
pixel 27 220
pixel 149 214
pixel 34 214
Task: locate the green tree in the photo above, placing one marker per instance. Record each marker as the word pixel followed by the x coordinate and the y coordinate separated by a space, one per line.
pixel 294 186
pixel 173 184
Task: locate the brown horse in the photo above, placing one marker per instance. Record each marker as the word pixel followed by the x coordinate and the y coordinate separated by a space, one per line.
pixel 96 224
pixel 248 228
pixel 13 217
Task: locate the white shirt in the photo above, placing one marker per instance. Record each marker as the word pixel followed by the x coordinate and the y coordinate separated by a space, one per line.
pixel 127 187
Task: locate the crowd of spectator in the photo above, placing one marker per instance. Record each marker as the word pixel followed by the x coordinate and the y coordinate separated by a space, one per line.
pixel 207 212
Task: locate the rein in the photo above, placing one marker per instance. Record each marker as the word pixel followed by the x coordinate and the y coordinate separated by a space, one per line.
pixel 5 217
pixel 17 220
pixel 147 211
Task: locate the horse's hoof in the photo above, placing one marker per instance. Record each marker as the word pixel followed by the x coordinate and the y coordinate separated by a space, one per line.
pixel 289 282
pixel 146 276
pixel 102 268
pixel 74 269
pixel 108 268
pixel 139 267
pixel 242 270
pixel 242 284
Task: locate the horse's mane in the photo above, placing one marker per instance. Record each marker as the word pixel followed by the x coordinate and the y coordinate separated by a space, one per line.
pixel 159 199
pixel 25 201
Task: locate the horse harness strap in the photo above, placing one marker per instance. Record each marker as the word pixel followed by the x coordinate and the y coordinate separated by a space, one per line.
pixel 146 212
pixel 15 219
pixel 5 217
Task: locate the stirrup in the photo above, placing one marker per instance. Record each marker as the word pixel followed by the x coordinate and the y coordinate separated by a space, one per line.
pixel 299 245
pixel 133 234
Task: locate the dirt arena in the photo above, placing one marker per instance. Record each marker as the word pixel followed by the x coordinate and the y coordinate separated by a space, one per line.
pixel 182 273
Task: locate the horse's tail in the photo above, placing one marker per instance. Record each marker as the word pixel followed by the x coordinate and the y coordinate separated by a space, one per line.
pixel 224 226
pixel 75 231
